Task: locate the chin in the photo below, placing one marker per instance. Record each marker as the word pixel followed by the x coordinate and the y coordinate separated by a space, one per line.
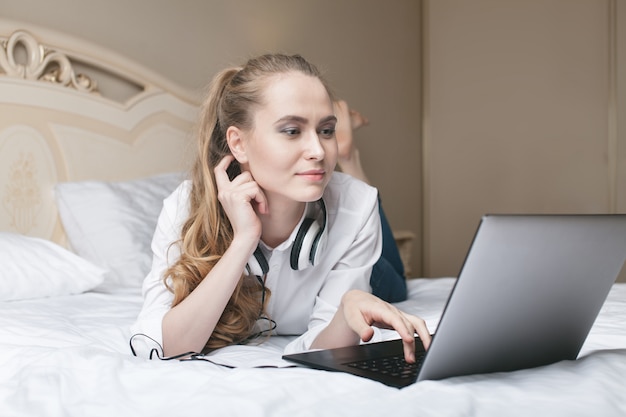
pixel 311 196
pixel 303 193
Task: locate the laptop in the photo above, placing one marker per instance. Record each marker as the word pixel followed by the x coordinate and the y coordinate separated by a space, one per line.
pixel 527 295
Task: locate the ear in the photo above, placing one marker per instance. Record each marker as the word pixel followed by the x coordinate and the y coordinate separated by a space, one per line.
pixel 236 144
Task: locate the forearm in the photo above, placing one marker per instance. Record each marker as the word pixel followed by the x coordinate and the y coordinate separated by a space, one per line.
pixel 188 325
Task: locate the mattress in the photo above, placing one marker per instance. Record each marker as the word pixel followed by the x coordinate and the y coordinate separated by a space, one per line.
pixel 70 356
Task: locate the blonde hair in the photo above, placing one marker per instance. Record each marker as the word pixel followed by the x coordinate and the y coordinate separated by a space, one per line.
pixel 232 97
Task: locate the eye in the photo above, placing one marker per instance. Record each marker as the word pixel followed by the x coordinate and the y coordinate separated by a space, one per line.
pixel 291 131
pixel 327 132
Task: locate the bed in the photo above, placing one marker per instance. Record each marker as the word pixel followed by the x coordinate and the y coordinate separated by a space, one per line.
pixel 90 144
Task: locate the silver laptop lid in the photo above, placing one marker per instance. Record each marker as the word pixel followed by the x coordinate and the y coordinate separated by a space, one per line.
pixel 528 293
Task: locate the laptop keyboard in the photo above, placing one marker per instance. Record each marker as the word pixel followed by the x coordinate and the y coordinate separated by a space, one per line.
pixel 394 366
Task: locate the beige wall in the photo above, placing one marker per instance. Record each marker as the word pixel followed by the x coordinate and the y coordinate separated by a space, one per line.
pixel 370 50
pixel 520 114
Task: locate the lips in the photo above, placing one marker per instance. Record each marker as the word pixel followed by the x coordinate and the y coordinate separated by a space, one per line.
pixel 313 174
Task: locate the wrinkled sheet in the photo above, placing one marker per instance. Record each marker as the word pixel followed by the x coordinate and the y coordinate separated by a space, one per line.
pixel 69 356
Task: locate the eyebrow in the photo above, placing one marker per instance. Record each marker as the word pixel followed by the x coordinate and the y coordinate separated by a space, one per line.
pixel 331 118
pixel 300 119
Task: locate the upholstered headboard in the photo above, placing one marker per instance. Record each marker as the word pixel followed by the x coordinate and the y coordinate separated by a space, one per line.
pixel 72 111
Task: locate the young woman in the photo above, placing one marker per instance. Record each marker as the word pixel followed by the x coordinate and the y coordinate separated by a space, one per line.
pixel 264 236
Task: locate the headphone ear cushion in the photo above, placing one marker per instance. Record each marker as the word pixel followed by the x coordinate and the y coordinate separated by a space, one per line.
pixel 310 240
pixel 302 244
pixel 257 264
pixel 318 246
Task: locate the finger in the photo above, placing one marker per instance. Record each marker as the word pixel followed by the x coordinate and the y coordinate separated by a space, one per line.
pixel 243 178
pixel 356 319
pixel 366 333
pixel 225 162
pixel 409 350
pixel 255 193
pixel 406 330
pixel 422 330
pixel 261 202
pixel 395 319
pixel 221 177
pixel 406 325
pixel 244 189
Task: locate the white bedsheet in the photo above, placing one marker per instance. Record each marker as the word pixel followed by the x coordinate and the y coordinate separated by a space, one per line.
pixel 69 356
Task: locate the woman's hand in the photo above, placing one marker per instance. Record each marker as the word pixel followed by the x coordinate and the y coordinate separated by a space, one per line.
pixel 188 325
pixel 360 310
pixel 241 198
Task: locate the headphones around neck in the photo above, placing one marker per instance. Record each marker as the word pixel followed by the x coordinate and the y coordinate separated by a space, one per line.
pixel 309 242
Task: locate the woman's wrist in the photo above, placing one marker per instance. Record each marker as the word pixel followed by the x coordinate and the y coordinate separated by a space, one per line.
pixel 338 333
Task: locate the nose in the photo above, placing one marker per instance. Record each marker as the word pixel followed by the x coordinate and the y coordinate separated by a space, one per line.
pixel 314 149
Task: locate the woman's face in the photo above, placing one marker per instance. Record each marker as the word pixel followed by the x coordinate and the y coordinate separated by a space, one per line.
pixel 291 150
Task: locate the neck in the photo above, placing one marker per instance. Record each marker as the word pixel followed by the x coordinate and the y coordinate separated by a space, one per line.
pixel 279 223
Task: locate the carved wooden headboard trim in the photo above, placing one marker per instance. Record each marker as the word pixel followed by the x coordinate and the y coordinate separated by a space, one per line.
pixel 73 111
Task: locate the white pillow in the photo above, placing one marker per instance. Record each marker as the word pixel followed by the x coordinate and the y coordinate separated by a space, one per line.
pixel 33 268
pixel 111 223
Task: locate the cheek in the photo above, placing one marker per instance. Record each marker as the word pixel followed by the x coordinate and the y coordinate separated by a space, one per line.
pixel 269 162
pixel 331 152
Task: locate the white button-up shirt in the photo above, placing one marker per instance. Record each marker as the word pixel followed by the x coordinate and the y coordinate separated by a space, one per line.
pixel 302 302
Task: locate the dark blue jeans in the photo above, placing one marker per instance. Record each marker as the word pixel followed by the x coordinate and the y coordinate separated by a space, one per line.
pixel 387 280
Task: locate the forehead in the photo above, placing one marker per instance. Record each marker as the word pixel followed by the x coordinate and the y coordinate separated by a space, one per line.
pixel 295 93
